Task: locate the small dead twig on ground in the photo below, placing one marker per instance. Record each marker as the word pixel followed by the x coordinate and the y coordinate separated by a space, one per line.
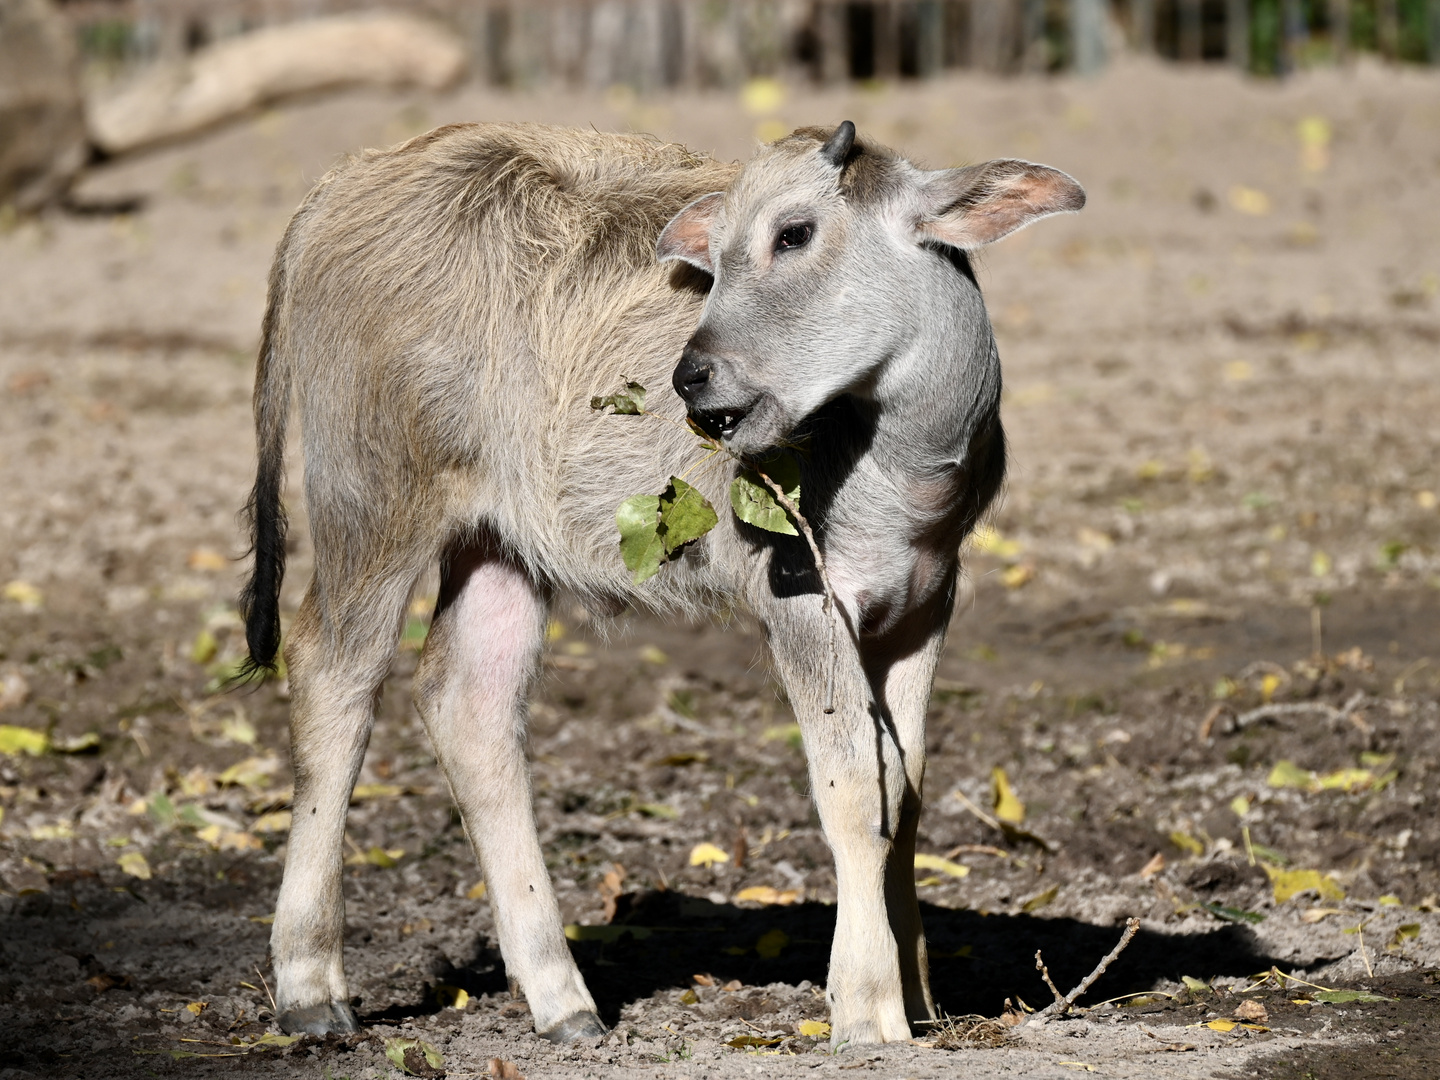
pixel 267 990
pixel 1263 712
pixel 981 814
pixel 1045 974
pixel 1063 1005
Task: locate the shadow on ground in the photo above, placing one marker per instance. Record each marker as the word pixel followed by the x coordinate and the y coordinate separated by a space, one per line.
pixel 977 961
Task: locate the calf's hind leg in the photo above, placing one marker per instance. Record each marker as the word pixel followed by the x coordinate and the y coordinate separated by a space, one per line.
pixel 334 679
pixel 472 689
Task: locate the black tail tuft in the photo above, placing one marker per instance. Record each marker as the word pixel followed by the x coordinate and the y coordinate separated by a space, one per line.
pixel 260 600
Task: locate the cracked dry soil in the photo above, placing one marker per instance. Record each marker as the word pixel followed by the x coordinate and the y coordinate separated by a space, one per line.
pixel 1222 496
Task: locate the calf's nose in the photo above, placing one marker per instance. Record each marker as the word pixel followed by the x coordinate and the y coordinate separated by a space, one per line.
pixel 691 374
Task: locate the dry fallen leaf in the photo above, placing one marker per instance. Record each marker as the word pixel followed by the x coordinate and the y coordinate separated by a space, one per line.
pixel 707 855
pixel 813 1029
pixel 941 865
pixel 1153 867
pixel 1289 883
pixel 1008 806
pixel 766 894
pixel 134 864
pixel 206 559
pixel 476 891
pixel 1251 1010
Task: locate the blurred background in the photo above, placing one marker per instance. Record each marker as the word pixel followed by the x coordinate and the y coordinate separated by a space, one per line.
pixel 1194 669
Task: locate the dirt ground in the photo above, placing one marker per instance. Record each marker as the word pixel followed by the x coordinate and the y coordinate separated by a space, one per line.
pixel 1221 401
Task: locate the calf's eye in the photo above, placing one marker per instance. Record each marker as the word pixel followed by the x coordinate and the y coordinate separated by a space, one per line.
pixel 793 236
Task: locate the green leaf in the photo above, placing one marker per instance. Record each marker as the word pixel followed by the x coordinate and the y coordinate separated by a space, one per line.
pixel 685 515
pixel 755 504
pixel 415 1057
pixel 629 402
pixel 1231 914
pixel 1341 997
pixel 638 519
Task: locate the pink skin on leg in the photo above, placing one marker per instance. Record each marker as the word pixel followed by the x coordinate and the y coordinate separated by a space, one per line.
pixel 472 688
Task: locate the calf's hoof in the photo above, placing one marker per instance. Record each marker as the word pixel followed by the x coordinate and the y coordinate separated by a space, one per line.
pixel 576 1026
pixel 320 1019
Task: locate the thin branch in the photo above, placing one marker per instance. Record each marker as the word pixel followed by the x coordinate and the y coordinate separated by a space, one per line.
pixel 1062 1006
pixel 1045 974
pixel 829 606
pixel 981 814
pixel 267 990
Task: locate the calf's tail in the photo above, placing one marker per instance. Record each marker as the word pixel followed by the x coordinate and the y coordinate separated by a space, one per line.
pixel 265 512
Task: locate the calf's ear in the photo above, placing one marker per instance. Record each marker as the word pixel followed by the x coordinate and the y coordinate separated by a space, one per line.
pixel 977 205
pixel 687 236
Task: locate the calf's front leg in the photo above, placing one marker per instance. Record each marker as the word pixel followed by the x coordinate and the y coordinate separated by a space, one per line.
pixel 859 782
pixel 472 690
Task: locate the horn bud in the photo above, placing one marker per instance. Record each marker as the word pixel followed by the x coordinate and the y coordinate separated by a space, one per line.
pixel 837 147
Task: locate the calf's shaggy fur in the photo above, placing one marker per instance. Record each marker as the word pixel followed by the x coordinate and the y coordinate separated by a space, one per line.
pixel 444 311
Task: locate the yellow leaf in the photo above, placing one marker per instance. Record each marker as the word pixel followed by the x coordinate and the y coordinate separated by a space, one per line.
pixel 1286 774
pixel 1240 805
pixel 1315 914
pixel 1346 780
pixel 707 855
pixel 1320 564
pixel 252 774
pixel 376 857
pixel 204 647
pixel 134 864
pixel 276 821
pixel 988 540
pixel 451 997
pixel 1194 985
pixel 1185 842
pixel 943 866
pixel 1389 900
pixel 813 1029
pixel 26 595
pixel 210 834
pixel 1288 883
pixel 1239 371
pixel 196 1007
pixel 22 740
pixel 476 891
pixel 1249 200
pixel 59 831
pixel 1017 576
pixel 1040 900
pixel 1007 806
pixel 765 894
pixel 761 96
pixel 1222 1024
pixel 651 655
pixel 1268 685
pixel 771 942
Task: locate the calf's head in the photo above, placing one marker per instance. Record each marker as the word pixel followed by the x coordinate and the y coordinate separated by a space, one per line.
pixel 828 259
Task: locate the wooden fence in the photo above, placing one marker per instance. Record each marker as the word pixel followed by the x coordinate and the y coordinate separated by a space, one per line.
pixel 652 44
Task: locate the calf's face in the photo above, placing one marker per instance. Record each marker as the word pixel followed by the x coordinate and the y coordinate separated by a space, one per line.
pixel 826 266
